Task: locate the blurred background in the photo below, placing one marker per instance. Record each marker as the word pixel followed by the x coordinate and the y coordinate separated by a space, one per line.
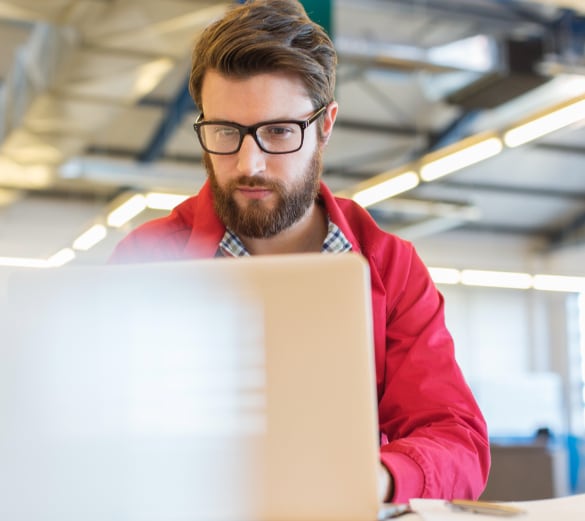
pixel 461 128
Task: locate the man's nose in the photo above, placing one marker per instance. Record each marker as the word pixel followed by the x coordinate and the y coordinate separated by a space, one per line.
pixel 251 159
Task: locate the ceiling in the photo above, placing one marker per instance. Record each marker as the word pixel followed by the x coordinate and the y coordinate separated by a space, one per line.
pixel 93 107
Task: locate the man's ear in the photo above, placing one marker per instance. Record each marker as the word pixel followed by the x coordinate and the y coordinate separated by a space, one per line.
pixel 329 121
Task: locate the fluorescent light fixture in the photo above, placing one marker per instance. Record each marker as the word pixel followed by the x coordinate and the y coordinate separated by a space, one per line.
pixel 445 275
pixel 61 258
pixel 559 283
pixel 126 211
pixel 23 262
pixel 496 279
pixel 90 238
pixel 18 175
pixel 510 280
pixel 160 201
pixel 545 123
pixel 465 153
pixel 8 197
pixel 386 189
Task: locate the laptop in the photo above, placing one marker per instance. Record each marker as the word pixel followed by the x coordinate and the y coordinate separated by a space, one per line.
pixel 220 389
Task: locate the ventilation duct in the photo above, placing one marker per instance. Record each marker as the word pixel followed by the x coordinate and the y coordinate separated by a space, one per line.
pixel 518 76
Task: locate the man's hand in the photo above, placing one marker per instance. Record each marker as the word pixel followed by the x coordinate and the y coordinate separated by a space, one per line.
pixel 385 485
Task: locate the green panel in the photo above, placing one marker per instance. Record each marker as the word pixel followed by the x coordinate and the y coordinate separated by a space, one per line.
pixel 321 11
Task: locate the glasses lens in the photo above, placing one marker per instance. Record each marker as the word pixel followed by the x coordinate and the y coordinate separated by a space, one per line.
pixel 219 138
pixel 280 137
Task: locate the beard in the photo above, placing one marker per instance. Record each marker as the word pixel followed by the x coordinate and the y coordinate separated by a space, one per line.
pixel 255 220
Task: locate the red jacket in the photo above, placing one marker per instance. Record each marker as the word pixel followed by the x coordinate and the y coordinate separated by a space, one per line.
pixel 434 437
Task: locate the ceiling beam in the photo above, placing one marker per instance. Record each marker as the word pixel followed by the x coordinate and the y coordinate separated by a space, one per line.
pixel 571 235
pixel 517 190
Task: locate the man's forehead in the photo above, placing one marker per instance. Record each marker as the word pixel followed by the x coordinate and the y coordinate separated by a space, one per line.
pixel 263 93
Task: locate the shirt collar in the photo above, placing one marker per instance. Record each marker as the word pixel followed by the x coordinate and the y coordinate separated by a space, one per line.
pixel 335 242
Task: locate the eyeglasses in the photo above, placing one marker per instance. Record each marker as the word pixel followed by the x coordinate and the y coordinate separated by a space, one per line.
pixel 273 137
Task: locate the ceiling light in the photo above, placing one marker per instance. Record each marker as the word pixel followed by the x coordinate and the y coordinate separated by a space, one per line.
pixel 445 275
pixel 385 189
pixel 544 123
pixel 462 154
pixel 126 211
pixel 90 238
pixel 496 279
pixel 23 262
pixel 61 258
pixel 8 197
pixel 159 201
pixel 559 283
pixel 18 175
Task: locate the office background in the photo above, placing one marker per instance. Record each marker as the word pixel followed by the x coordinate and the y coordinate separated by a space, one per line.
pixel 461 128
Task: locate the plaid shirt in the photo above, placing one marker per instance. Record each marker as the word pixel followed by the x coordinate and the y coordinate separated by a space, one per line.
pixel 335 242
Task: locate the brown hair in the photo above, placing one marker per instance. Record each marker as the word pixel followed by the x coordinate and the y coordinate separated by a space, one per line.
pixel 265 36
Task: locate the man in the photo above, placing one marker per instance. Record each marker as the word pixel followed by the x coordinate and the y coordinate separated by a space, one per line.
pixel 263 77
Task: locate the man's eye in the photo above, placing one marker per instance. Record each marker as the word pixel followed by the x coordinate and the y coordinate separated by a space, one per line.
pixel 226 132
pixel 277 131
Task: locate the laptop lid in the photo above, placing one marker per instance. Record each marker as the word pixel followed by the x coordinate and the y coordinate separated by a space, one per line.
pixel 211 389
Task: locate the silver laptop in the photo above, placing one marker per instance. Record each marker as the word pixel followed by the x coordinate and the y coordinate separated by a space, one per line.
pixel 203 390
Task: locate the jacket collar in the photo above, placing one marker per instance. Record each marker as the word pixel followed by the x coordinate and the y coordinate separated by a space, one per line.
pixel 332 205
pixel 207 229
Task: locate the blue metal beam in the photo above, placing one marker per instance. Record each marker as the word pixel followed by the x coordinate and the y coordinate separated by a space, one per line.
pixel 176 111
pixel 454 131
pixel 570 32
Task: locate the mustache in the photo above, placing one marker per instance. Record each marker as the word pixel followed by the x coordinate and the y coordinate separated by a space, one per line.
pixel 256 182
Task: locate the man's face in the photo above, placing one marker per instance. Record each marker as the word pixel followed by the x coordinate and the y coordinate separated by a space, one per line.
pixel 256 219
pixel 257 194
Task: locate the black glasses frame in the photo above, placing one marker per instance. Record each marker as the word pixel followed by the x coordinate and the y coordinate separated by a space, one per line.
pixel 252 130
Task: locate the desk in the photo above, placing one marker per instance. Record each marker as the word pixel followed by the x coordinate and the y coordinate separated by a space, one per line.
pixel 569 508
